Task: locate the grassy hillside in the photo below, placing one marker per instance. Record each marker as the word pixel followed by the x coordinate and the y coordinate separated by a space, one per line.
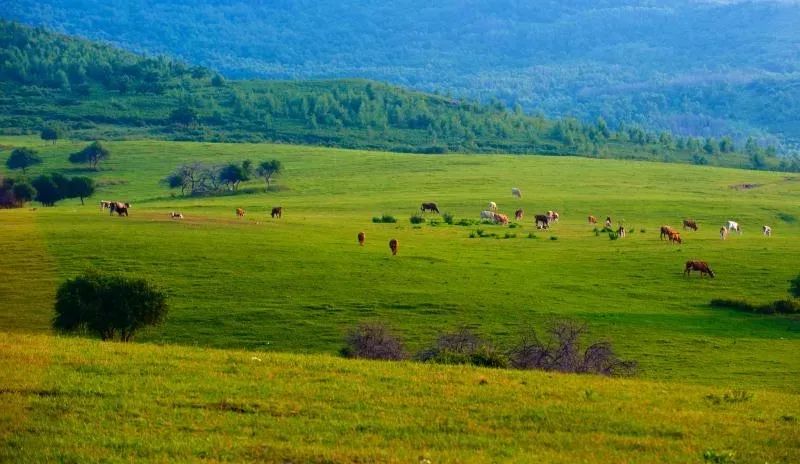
pixel 96 91
pixel 695 67
pixel 86 401
pixel 298 283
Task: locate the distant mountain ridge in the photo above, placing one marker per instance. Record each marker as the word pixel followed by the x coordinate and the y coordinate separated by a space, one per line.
pixel 695 68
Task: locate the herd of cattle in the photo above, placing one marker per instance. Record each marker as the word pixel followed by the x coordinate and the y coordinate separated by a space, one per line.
pixel 542 221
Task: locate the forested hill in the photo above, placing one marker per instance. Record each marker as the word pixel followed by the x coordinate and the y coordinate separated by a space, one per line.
pixel 96 91
pixel 694 67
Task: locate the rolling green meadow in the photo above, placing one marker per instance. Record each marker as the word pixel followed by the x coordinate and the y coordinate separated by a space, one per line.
pixel 286 290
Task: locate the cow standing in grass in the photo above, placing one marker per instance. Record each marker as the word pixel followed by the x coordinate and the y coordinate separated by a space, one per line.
pixel 500 219
pixel 492 206
pixel 175 215
pixel 732 225
pixel 515 192
pixel 393 245
pixel 723 233
pixel 767 231
pixel 666 232
pixel 362 237
pixel 542 221
pixel 277 212
pixel 592 219
pixel 239 212
pixel 690 224
pixel 119 208
pixel 701 266
pixel 518 214
pixel 432 207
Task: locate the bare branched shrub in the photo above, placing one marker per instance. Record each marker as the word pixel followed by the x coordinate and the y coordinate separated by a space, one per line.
pixel 562 352
pixel 373 341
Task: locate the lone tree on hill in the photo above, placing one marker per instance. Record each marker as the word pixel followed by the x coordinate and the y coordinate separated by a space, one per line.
pixel 51 134
pixel 268 169
pixel 23 158
pixel 92 154
pixel 108 306
pixel 81 187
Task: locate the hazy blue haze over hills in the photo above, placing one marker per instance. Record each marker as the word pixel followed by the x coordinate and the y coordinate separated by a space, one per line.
pixel 700 68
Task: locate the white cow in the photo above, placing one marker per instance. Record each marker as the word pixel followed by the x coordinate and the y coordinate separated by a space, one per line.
pixel 731 225
pixel 492 206
pixel 487 215
pixel 104 204
pixel 175 215
pixel 515 192
pixel 767 231
pixel 553 216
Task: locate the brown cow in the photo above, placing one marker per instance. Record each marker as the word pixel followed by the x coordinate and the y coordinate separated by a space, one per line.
pixel 518 214
pixel 500 218
pixel 119 208
pixel 542 221
pixel 277 211
pixel 621 231
pixel 723 233
pixel 690 224
pixel 239 212
pixel 393 246
pixel 666 231
pixel 362 237
pixel 592 219
pixel 701 266
pixel 675 237
pixel 429 207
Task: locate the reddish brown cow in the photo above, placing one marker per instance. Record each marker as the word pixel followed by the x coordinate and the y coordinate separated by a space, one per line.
pixel 666 231
pixel 500 219
pixel 393 246
pixel 690 224
pixel 239 212
pixel 518 214
pixel 675 237
pixel 592 220
pixel 361 238
pixel 701 266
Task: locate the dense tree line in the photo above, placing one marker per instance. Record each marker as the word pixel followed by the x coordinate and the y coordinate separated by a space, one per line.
pixel 695 68
pixel 196 105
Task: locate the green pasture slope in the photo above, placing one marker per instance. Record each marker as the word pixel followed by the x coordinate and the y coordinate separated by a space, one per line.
pixel 86 401
pixel 297 283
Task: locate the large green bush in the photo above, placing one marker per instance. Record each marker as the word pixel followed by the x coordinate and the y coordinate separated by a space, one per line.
pixel 110 306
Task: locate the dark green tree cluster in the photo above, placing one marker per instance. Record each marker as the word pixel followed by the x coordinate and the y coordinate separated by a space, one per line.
pixel 51 188
pixel 206 179
pixel 23 158
pixel 109 306
pixel 14 193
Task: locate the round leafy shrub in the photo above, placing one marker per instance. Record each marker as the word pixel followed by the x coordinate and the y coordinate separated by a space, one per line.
pixel 108 305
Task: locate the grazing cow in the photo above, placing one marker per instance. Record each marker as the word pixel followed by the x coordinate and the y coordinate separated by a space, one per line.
pixel 553 215
pixel 487 215
pixel 500 219
pixel 608 222
pixel 393 246
pixel 731 225
pixel 175 215
pixel 701 266
pixel 723 233
pixel 767 230
pixel 675 237
pixel 239 212
pixel 592 219
pixel 492 206
pixel 542 221
pixel 621 231
pixel 362 237
pixel 690 224
pixel 104 204
pixel 119 208
pixel 515 192
pixel 277 212
pixel 430 207
pixel 518 214
pixel 666 231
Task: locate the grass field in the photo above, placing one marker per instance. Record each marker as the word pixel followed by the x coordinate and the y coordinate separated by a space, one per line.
pixel 243 292
pixel 88 401
pixel 298 283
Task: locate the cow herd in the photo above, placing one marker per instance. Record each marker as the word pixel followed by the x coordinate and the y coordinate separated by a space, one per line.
pixel 542 221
